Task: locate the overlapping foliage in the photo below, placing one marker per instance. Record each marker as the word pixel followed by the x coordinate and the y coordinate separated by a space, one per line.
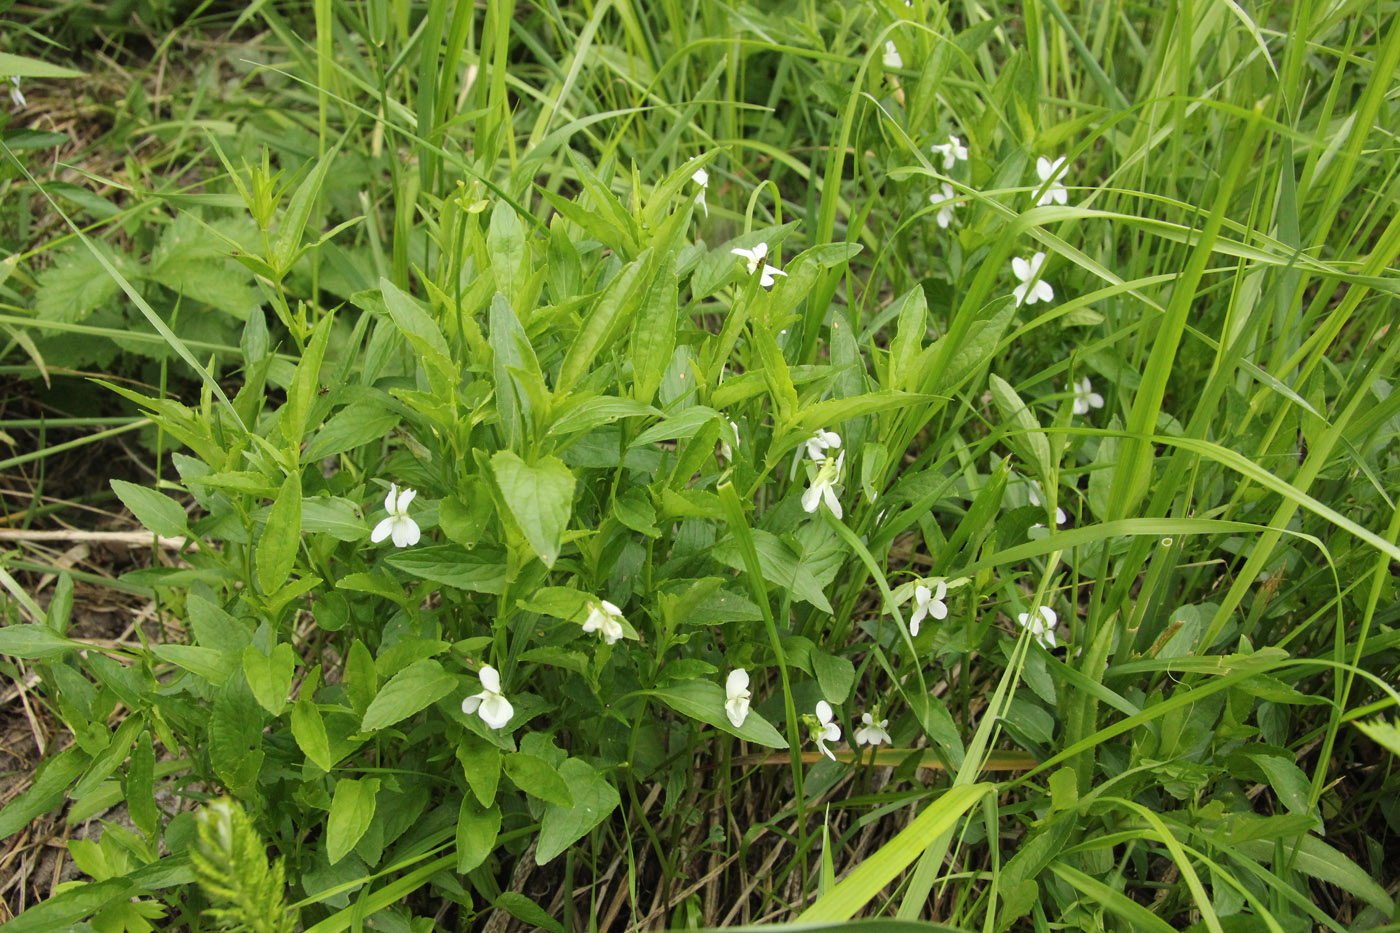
pixel 464 254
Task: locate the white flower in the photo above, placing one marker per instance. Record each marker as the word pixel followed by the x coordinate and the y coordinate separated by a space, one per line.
pixel 873 733
pixel 1034 495
pixel 16 95
pixel 604 618
pixel 1041 627
pixel 494 709
pixel 1047 170
pixel 736 696
pixel 928 603
pixel 403 529
pixel 725 450
pixel 892 59
pixel 945 204
pixel 818 443
pixel 952 151
pixel 1026 293
pixel 1085 397
pixel 828 474
pixel 757 258
pixel 702 178
pixel 826 730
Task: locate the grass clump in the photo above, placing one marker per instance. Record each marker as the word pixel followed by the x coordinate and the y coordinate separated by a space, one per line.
pixel 678 466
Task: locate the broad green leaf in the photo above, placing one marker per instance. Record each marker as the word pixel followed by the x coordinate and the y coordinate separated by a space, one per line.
pixel 1315 858
pixel 352 809
pixel 540 498
pixel 109 759
pixel 515 371
pixel 908 340
pixel 587 414
pixel 654 334
pixel 835 674
pixel 32 641
pixel 594 800
pixel 270 678
pixel 481 570
pixel 522 908
pixel 704 700
pixel 286 243
pixel 477 829
pixel 46 790
pixel 353 426
pixel 309 730
pixel 537 777
pixel 410 690
pixel 421 331
pixel 139 787
pixel 481 762
pixel 361 677
pixel 605 321
pixel 209 664
pixel 305 385
pixel 159 513
pixel 505 243
pixel 1024 434
pixel 22 67
pixel 334 516
pixel 281 536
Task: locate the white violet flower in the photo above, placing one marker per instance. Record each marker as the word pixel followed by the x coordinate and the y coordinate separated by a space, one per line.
pixel 828 474
pixel 702 178
pixel 736 696
pixel 1085 397
pixel 1028 272
pixel 892 59
pixel 952 151
pixel 1049 171
pixel 1034 494
pixel 605 619
pixel 494 709
pixel 758 262
pixel 16 95
pixel 945 203
pixel 403 529
pixel 873 733
pixel 820 442
pixel 1041 626
pixel 826 730
pixel 928 603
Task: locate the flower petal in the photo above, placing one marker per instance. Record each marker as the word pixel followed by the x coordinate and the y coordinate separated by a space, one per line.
pixel 405 497
pixel 496 711
pixel 1043 168
pixel 811 497
pixel 832 502
pixel 938 609
pixel 391 498
pixel 737 709
pixel 490 678
pixel 470 704
pixel 737 683
pixel 1021 268
pixel 824 712
pixel 382 530
pixel 406 533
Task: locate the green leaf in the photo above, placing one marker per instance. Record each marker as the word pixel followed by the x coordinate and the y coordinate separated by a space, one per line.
pixel 21 67
pixel 353 426
pixel 77 284
pixel 139 788
pixel 481 570
pixel 587 414
pixel 361 677
pixel 481 762
pixel 109 758
pixel 309 730
pixel 209 664
pixel 1024 433
pixel 45 791
pixel 1384 734
pixel 522 908
pixel 609 315
pixel 412 689
pixel 305 385
pixel 417 326
pixel 594 800
pixel 270 678
pixel 704 700
pixel 836 675
pixel 1317 859
pixel 539 498
pixel 159 513
pixel 286 244
pixel 477 829
pixel 908 339
pixel 32 641
pixel 537 777
pixel 654 334
pixel 352 809
pixel 505 243
pixel 281 536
